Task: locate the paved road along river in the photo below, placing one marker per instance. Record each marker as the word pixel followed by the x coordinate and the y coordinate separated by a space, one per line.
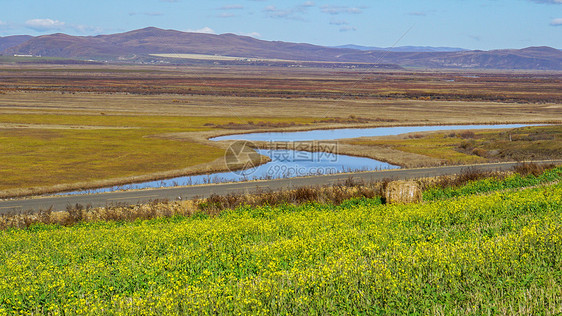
pixel 59 203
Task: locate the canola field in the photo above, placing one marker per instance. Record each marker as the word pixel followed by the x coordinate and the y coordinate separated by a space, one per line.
pixel 461 252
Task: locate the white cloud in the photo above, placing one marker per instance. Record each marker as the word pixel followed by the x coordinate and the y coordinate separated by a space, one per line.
pixel 251 34
pixel 86 29
pixel 229 7
pixel 146 13
pixel 338 22
pixel 206 30
pixel 232 7
pixel 4 26
pixel 348 28
pixel 334 9
pixel 226 15
pixel 475 37
pixel 292 13
pixel 274 12
pixel 44 24
pixel 548 1
pixel 556 22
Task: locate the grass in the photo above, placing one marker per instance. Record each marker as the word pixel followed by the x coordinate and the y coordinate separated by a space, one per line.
pixel 519 144
pixel 43 157
pixel 526 175
pixel 526 143
pixel 77 156
pixel 434 145
pixel 240 105
pixel 166 100
pixel 498 253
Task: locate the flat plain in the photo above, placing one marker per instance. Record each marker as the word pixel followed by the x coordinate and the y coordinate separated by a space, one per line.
pixel 82 126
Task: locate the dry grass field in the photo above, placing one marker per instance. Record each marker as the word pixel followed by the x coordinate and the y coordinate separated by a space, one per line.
pixel 86 126
pixel 44 150
pixel 466 147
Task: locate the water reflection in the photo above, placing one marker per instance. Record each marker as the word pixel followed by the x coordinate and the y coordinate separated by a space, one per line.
pixel 354 132
pixel 287 163
pixel 283 164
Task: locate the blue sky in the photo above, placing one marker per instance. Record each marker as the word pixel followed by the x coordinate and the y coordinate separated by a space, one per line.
pixel 473 24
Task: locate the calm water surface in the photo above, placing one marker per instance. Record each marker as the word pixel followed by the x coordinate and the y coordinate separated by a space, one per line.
pixel 354 132
pixel 295 163
pixel 283 164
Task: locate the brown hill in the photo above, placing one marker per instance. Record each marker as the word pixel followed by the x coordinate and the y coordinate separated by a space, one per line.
pixel 154 41
pixel 157 41
pixel 535 58
pixel 12 41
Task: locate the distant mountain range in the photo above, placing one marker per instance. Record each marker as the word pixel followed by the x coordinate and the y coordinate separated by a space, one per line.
pixel 139 45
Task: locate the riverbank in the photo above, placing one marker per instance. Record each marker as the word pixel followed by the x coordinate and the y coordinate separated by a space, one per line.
pixel 215 172
pixel 53 132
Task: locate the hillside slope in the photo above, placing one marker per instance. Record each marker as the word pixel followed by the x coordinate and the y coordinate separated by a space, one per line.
pixel 157 41
pixel 12 41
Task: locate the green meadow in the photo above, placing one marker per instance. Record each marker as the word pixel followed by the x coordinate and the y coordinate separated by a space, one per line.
pixel 492 246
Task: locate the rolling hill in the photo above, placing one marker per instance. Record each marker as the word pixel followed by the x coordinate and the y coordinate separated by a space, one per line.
pixel 11 41
pixel 144 42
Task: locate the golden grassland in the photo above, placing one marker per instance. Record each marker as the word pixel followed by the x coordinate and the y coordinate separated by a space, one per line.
pixel 41 157
pixel 487 250
pixel 433 145
pixel 56 121
pixel 405 111
pixel 71 151
pixel 466 147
